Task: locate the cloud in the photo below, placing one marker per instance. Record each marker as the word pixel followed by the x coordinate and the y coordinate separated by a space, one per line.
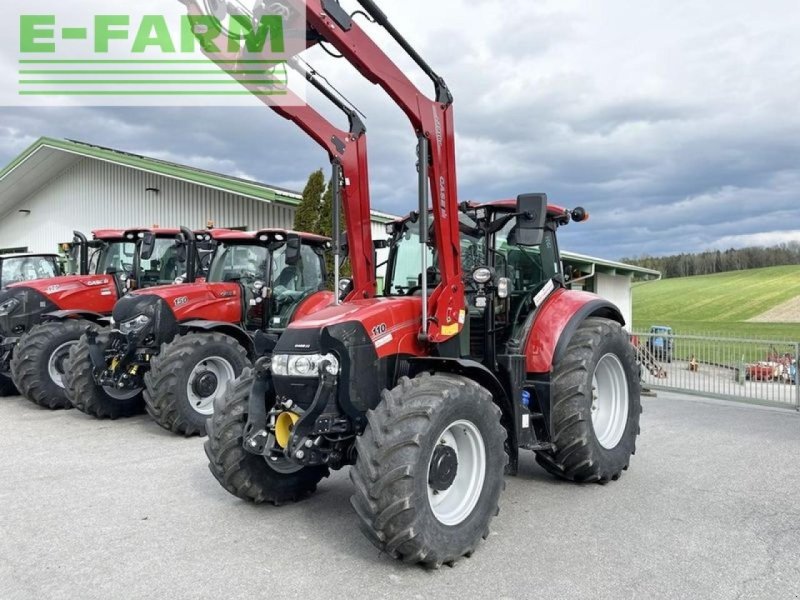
pixel 674 122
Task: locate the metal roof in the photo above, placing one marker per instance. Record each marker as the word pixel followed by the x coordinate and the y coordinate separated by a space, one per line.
pixel 50 156
pixel 609 267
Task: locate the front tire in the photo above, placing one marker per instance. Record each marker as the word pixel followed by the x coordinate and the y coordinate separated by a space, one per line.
pixel 187 377
pixel 243 474
pixel 39 362
pixel 596 405
pixel 430 469
pixel 92 399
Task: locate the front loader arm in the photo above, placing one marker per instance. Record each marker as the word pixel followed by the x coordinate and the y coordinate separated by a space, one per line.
pixel 432 120
pixel 347 149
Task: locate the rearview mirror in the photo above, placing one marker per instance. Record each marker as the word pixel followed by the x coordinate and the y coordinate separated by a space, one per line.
pixel 532 219
pixel 148 246
pixel 293 246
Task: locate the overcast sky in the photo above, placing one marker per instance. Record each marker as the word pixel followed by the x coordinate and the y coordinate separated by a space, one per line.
pixel 675 123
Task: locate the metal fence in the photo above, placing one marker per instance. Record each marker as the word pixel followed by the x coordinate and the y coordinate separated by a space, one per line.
pixel 755 371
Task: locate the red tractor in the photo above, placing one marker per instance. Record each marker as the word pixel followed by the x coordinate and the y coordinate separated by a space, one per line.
pixel 474 351
pixel 177 347
pixel 41 320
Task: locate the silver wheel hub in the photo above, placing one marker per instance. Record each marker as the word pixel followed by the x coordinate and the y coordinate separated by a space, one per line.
pixel 207 382
pixel 610 401
pixel 55 365
pixel 456 473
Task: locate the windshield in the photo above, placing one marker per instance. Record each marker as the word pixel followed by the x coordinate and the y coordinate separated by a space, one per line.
pixel 27 268
pixel 290 283
pixel 163 267
pixel 114 255
pixel 527 267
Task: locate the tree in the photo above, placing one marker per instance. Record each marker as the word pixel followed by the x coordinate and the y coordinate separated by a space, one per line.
pixel 307 217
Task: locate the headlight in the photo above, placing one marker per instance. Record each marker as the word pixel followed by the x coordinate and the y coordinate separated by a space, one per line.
pixel 482 275
pixel 134 325
pixel 9 306
pixel 303 365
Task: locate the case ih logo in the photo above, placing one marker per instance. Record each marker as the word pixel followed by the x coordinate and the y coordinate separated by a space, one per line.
pixel 53 289
pixel 95 282
pixel 180 301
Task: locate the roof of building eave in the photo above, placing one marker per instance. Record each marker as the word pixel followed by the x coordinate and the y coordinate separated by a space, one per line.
pixel 610 266
pixel 201 177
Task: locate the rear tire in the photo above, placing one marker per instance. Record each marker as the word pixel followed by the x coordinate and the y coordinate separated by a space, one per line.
pixel 417 424
pixel 594 433
pixel 39 362
pixel 92 399
pixel 174 392
pixel 243 474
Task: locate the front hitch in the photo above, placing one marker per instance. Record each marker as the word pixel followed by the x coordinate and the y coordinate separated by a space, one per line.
pixel 96 352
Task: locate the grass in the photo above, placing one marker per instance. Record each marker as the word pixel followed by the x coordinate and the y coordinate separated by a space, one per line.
pixel 719 305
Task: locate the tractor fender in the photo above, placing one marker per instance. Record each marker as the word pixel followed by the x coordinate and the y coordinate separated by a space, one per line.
pixel 234 331
pixel 552 326
pixel 63 315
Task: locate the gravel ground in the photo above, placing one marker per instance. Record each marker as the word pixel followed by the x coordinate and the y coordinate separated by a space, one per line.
pixel 709 509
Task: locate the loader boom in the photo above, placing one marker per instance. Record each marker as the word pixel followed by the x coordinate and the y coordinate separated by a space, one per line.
pixel 347 151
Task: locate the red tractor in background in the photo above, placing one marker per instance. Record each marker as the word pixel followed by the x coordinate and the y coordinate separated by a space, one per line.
pixel 41 320
pixel 175 348
pixel 474 351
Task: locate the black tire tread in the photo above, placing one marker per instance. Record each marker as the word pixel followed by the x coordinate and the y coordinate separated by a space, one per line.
pixel 84 393
pixel 161 393
pixel 25 362
pixel 382 506
pixel 574 458
pixel 246 475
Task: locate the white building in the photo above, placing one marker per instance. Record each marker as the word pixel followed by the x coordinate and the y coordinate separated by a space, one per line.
pixel 58 186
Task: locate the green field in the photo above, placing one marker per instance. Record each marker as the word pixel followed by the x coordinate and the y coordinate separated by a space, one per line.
pixel 719 304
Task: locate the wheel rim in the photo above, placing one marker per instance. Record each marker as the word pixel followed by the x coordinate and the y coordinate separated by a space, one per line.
pixel 283 465
pixel 207 382
pixel 609 401
pixel 55 365
pixel 455 504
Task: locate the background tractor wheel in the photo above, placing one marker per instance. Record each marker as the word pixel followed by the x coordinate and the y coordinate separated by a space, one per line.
pixel 246 475
pixel 92 399
pixel 7 387
pixel 596 406
pixel 430 469
pixel 188 376
pixel 39 361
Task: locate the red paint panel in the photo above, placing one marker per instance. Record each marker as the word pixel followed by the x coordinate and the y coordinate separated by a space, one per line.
pixel 558 309
pixel 94 293
pixel 392 323
pixel 206 301
pixel 313 304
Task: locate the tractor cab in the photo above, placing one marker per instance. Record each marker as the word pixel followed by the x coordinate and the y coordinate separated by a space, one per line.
pixel 17 268
pixel 276 270
pixel 505 277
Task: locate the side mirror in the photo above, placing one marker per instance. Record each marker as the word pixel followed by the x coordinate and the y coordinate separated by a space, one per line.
pixel 293 247
pixel 532 219
pixel 148 246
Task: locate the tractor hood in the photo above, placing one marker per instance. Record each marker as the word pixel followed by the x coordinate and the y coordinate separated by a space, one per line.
pixel 190 301
pixel 391 324
pixel 94 293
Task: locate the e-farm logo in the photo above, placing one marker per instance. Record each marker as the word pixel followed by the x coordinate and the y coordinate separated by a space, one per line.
pixel 126 55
